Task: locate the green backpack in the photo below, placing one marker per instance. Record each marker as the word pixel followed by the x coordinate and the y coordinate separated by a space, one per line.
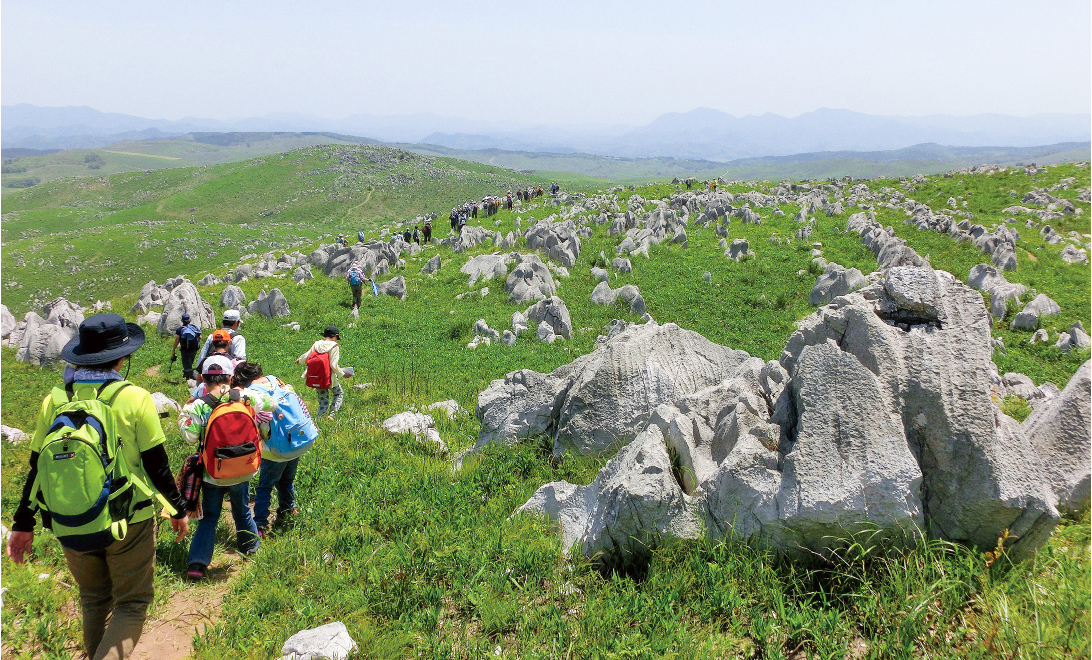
pixel 83 479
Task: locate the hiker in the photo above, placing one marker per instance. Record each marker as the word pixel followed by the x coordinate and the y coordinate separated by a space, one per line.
pixel 112 557
pixel 291 433
pixel 407 236
pixel 341 239
pixel 360 236
pixel 231 322
pixel 219 344
pixel 188 337
pixel 223 424
pixel 427 231
pixel 356 279
pixel 322 371
pixel 416 235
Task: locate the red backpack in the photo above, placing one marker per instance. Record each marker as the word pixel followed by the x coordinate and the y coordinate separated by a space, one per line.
pixel 318 371
pixel 231 449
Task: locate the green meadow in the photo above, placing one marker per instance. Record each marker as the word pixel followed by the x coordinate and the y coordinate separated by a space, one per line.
pixel 421 560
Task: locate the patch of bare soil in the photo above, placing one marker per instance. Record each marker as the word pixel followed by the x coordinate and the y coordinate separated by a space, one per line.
pixel 152 370
pixel 189 611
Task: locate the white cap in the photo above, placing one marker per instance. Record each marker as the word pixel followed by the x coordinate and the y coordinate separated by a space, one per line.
pixel 231 315
pixel 218 364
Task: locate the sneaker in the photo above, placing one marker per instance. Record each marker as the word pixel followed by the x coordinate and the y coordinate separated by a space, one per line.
pixel 196 572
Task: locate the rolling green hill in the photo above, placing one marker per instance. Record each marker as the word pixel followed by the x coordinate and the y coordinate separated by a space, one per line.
pixel 421 560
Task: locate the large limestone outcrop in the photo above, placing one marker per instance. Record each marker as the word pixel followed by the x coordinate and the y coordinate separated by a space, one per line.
pixel 554 313
pixel 558 240
pixel 607 396
pixel 1041 306
pixel 185 299
pixel 1060 432
pixel 370 255
pixel 7 322
pixel 862 426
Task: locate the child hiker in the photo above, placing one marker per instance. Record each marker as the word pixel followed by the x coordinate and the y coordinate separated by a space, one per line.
pixel 322 371
pixel 223 422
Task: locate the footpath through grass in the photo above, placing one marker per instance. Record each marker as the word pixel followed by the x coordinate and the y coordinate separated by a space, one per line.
pixel 422 561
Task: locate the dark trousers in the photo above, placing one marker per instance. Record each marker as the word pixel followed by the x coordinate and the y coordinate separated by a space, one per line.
pixel 187 362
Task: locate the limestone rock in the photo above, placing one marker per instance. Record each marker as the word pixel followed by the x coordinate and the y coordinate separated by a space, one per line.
pixel 232 297
pixel 328 642
pixel 606 396
pixel 485 267
pixel 208 280
pixel 1060 433
pixel 738 249
pixel 530 280
pixel 450 407
pixel 422 426
pixel 164 403
pixel 12 434
pixel 271 305
pixel 630 294
pixel 554 313
pixel 989 280
pixel 597 273
pixel 432 266
pixel 835 281
pixel 395 288
pixel 1029 318
pixel 632 504
pixel 184 299
pixel 7 322
pixel 622 265
pixel 1073 255
pixel 303 273
pixel 40 342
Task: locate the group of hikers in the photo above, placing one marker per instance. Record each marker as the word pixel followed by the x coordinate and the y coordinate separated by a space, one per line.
pixel 99 468
pixel 491 204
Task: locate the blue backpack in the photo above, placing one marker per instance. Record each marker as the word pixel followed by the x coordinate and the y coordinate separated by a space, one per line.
pixel 292 432
pixel 354 277
pixel 190 337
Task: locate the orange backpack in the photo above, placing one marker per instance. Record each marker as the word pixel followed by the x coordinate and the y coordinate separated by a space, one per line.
pixel 231 449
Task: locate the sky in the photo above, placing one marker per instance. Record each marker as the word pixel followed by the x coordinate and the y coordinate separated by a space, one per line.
pixel 565 62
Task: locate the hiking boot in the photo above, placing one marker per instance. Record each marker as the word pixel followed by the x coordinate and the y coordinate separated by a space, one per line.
pixel 197 572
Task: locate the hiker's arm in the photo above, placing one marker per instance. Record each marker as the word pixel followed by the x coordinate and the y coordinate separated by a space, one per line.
pixel 192 421
pixel 335 355
pixel 175 347
pixel 158 468
pixel 23 520
pixel 306 354
pixel 238 345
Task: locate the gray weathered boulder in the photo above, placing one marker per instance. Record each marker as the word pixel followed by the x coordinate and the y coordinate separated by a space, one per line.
pixel 62 312
pixel 529 280
pixel 620 515
pixel 606 396
pixel 184 299
pixel 1075 338
pixel 558 240
pixel 422 426
pixel 433 266
pixel 485 267
pixel 12 435
pixel 1073 255
pixel 622 265
pixel 303 273
pixel 597 273
pixel 327 642
pixel 835 281
pixel 270 305
pixel 989 280
pixel 7 322
pixel 472 236
pixel 208 280
pixel 1028 318
pixel 602 294
pixel 738 249
pixel 395 288
pixel 40 341
pixel 232 298
pixel 554 313
pixel 1059 431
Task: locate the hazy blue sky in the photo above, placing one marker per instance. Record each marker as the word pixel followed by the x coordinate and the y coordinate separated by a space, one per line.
pixel 561 62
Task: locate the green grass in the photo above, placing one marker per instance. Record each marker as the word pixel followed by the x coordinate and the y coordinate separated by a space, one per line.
pixel 422 561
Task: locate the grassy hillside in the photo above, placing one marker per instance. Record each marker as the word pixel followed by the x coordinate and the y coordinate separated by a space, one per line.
pixel 422 561
pixel 138 155
pixel 107 235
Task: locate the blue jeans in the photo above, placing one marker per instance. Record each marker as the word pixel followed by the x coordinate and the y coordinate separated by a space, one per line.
pixel 283 477
pixel 212 502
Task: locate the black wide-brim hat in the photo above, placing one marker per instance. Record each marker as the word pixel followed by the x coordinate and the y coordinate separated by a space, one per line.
pixel 103 338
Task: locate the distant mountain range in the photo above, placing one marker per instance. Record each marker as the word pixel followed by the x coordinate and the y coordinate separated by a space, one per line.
pixel 701 134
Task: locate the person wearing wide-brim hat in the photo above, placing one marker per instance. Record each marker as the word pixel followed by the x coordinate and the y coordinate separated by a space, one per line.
pixel 115 584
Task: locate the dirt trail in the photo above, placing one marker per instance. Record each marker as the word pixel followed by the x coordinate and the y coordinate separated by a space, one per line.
pixel 169 635
pixel 367 199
